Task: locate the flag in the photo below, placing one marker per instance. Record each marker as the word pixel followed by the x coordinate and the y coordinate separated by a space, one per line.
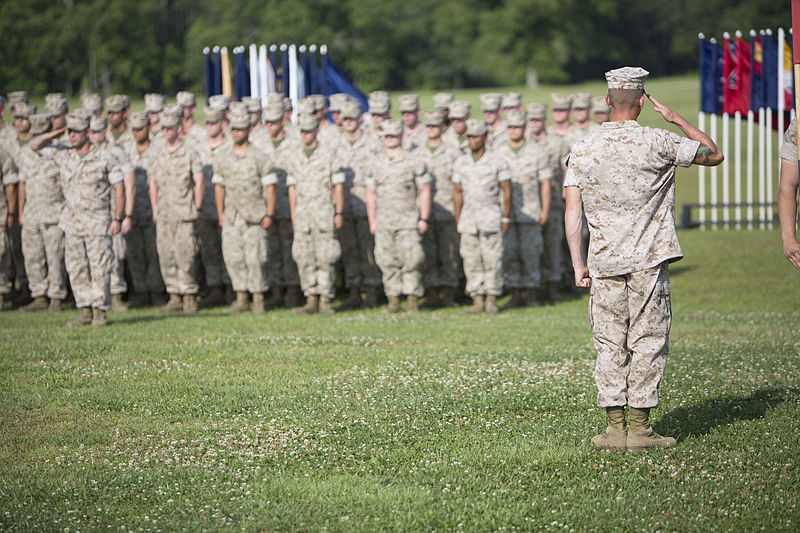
pixel 736 88
pixel 285 70
pixel 769 69
pixel 217 72
pixel 710 77
pixel 757 97
pixel 241 82
pixel 313 74
pixel 788 77
pixel 336 82
pixel 306 71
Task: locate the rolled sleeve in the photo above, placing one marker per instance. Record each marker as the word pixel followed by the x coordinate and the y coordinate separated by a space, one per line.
pixel 686 152
pixel 269 179
pixel 217 179
pixel 337 178
pixel 424 178
pixel 571 179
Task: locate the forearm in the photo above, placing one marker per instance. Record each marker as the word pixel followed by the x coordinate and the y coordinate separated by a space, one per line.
pixel 21 198
pixel 153 192
pixel 272 198
pixel 338 197
pixel 573 224
pixel 506 185
pixel 219 200
pixel 425 202
pixel 11 197
pixel 546 195
pixel 130 193
pixel 372 205
pixel 119 201
pixel 787 209
pixel 199 190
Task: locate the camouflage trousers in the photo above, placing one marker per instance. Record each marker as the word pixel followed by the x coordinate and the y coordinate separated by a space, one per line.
pixel 43 249
pixel 358 253
pixel 400 257
pixel 482 254
pixel 177 247
pixel 209 238
pixel 553 257
pixel 88 260
pixel 442 267
pixel 119 247
pixel 281 266
pixel 244 248
pixel 630 317
pixel 142 258
pixel 5 261
pixel 17 265
pixel 316 251
pixel 522 256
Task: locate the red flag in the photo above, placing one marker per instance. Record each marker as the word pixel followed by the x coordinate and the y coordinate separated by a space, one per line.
pixel 736 76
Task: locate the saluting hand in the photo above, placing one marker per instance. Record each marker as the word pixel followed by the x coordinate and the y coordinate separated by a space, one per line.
pixel 668 114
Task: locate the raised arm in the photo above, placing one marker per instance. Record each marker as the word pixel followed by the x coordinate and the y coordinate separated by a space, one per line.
pixel 707 154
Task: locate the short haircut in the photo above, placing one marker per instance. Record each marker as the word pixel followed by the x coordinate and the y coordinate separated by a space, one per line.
pixel 624 99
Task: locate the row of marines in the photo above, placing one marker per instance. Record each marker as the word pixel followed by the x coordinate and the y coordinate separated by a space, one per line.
pixel 272 206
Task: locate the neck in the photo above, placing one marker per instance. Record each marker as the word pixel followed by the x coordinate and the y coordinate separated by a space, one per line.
pixel 241 148
pixel 353 135
pixel 519 143
pixel 477 154
pixel 621 115
pixel 85 148
pixel 394 152
pixel 143 145
pixel 434 142
pixel 279 136
pixel 119 129
pixel 539 134
pixel 24 136
pixel 172 146
pixel 311 145
pixel 216 140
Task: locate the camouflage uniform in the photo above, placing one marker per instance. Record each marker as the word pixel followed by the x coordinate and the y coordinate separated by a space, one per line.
pixel 479 221
pixel 315 248
pixel 245 178
pixel 8 176
pixel 629 204
pixel 358 244
pixel 209 233
pixel 42 239
pixel 788 149
pixel 441 242
pixel 523 243
pixel 398 244
pixel 142 253
pixel 176 237
pixel 87 182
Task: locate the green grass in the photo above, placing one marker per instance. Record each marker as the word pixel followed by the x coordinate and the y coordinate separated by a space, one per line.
pixel 368 422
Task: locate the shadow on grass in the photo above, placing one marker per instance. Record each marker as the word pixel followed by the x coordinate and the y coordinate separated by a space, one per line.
pixel 678 270
pixel 703 418
pixel 143 319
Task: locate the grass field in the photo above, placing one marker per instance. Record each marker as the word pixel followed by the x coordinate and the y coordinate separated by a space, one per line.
pixel 436 421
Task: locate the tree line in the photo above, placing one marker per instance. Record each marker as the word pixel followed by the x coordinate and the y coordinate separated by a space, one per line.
pixel 156 45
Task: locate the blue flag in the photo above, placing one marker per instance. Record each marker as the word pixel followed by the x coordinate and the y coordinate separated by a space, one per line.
pixel 769 69
pixel 336 82
pixel 285 71
pixel 241 81
pixel 710 77
pixel 756 73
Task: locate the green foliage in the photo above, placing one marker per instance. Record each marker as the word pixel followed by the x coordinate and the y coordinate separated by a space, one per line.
pixel 155 45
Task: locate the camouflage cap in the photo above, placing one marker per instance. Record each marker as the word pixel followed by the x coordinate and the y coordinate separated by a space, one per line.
pixel 186 99
pixel 319 101
pixel 17 97
pixel 154 102
pixel 40 123
pixel 139 120
pixel 627 78
pixel 306 106
pixel 174 109
pixel 599 105
pixel 97 123
pixel 408 103
pixel 337 100
pixel 561 102
pixel 536 111
pixel 433 117
pixel 351 109
pixel 56 104
pixel 77 121
pixel 240 121
pixel 511 100
pixel 516 118
pixel 391 127
pixel 476 128
pixel 116 103
pixel 491 101
pixel 23 110
pixel 92 102
pixel 459 110
pixel 274 98
pixel 213 114
pixel 307 121
pixel 380 103
pixel 581 100
pixel 273 112
pixel 253 104
pixel 442 100
pixel 168 120
pixel 219 101
pixel 238 107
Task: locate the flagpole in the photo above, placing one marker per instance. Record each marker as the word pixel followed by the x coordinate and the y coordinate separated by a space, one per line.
pixel 294 90
pixel 768 179
pixel 796 56
pixel 701 122
pixel 263 87
pixel 714 182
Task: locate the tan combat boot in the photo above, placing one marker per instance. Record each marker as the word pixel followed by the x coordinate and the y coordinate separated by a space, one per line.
pixel 477 305
pixel 353 301
pixel 55 305
pixel 491 304
pixel 173 305
pixel 615 437
pixel 641 435
pixel 99 317
pixel 532 298
pixel 448 297
pixel 38 304
pixel 515 300
pixel 240 305
pixel 432 300
pixel 189 303
pixel 412 304
pixel 371 299
pixel 325 305
pixel 117 304
pixel 394 305
pixel 276 300
pixel 215 298
pixel 292 298
pixel 258 302
pixel 311 307
pixel 84 319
